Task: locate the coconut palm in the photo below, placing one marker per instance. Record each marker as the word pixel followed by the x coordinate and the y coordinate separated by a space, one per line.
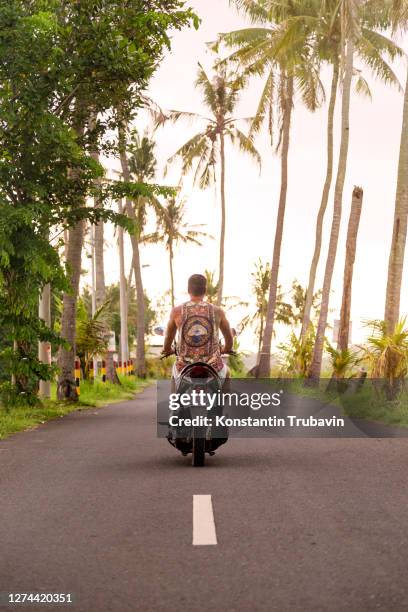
pixel 354 35
pixel 299 36
pixel 269 49
pixel 212 286
pixel 92 333
pixel 399 19
pixel 206 149
pixel 387 354
pixel 297 353
pixel 343 361
pixel 172 230
pixel 260 287
pixel 351 245
pixel 138 162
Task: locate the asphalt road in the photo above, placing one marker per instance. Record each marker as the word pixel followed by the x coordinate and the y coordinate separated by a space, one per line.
pixel 95 505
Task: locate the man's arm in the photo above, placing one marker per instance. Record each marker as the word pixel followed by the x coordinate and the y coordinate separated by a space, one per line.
pixel 226 332
pixel 171 332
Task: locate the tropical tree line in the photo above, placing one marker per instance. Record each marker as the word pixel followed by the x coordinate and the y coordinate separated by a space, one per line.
pixel 71 74
pixel 287 45
pixel 73 77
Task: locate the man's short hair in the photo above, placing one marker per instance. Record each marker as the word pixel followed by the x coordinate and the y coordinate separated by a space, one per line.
pixel 197 285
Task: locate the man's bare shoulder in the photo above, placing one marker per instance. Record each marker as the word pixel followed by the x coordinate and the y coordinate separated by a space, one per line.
pixel 218 311
pixel 177 309
pixel 177 313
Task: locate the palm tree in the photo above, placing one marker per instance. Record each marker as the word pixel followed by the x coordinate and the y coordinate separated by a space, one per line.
pixel 92 333
pixel 206 149
pixel 399 19
pixel 260 287
pixel 172 230
pixel 342 361
pixel 369 48
pixel 138 162
pixel 354 35
pixel 297 354
pixel 300 35
pixel 387 354
pixel 354 222
pixel 269 50
pixel 212 286
pixel 316 364
pixel 66 389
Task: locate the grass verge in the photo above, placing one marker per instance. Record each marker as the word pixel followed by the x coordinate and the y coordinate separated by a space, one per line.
pixel 92 395
pixel 368 403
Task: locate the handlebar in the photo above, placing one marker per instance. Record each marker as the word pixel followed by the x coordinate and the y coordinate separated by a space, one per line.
pixel 174 352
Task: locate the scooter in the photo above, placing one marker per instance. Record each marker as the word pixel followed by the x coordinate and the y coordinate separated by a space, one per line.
pixel 201 438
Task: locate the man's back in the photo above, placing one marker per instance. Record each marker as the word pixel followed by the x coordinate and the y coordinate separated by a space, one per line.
pixel 198 334
pixel 198 324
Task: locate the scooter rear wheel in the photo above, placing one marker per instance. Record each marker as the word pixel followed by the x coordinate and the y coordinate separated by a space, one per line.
pixel 198 459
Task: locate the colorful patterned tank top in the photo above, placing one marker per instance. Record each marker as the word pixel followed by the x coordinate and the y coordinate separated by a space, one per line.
pixel 198 336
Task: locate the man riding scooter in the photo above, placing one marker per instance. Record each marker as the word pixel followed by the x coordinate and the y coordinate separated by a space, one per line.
pixel 198 323
pixel 199 362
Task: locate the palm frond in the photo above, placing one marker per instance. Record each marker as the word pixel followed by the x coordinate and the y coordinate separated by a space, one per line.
pixel 189 151
pixel 207 87
pixel 371 56
pixel 362 87
pixel 265 105
pixel 310 87
pixel 399 14
pixel 173 116
pixel 383 44
pixel 243 37
pixel 256 11
pixel 246 144
pixel 205 172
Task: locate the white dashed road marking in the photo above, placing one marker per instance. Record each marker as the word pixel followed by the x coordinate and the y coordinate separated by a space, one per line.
pixel 204 533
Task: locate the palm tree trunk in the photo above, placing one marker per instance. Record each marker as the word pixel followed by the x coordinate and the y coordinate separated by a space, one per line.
pixel 140 339
pixel 124 339
pixel 316 365
pixel 223 223
pixel 354 222
pixel 171 274
pixel 399 236
pixel 261 330
pixel 323 204
pixel 66 358
pixel 100 288
pixel 264 365
pixel 44 348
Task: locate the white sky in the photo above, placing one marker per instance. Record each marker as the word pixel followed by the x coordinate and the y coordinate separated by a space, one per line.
pixel 252 198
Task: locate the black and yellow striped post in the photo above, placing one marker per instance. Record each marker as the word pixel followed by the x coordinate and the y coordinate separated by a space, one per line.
pixel 91 371
pixel 78 376
pixel 103 371
pixel 128 368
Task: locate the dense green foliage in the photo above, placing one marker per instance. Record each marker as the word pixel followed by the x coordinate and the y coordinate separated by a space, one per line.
pixel 60 64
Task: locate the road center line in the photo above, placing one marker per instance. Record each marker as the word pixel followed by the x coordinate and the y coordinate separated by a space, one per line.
pixel 204 533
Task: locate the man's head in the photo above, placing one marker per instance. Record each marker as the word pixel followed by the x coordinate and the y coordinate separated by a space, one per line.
pixel 197 285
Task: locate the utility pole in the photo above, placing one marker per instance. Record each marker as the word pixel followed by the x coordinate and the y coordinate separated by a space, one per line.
pixel 44 348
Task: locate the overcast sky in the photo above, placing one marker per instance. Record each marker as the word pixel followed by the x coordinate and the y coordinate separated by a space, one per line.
pixel 252 198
